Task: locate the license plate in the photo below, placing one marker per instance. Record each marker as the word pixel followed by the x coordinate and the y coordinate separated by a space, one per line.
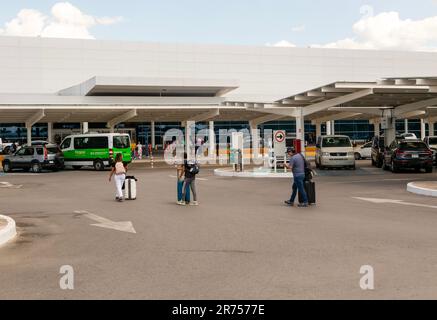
pixel 415 156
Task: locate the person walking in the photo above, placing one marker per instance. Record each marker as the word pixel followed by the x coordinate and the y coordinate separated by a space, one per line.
pixel 297 166
pixel 140 150
pixel 190 171
pixel 133 147
pixel 119 172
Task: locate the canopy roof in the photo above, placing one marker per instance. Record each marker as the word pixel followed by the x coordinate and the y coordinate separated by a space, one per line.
pixel 407 97
pixel 151 87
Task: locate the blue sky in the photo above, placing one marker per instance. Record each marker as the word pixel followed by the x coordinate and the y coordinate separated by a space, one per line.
pixel 253 22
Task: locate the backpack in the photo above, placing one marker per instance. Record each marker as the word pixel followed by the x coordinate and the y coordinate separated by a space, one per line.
pixel 194 168
pixel 308 170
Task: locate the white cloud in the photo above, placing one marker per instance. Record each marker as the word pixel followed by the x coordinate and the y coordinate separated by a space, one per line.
pixel 27 23
pixel 283 43
pixel 66 21
pixel 388 31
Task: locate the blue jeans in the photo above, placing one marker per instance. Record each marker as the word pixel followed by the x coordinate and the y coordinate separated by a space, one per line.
pixel 298 185
pixel 180 192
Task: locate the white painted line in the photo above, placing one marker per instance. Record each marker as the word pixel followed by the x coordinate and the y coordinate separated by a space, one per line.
pixel 8 232
pixel 399 202
pixel 411 187
pixel 5 184
pixel 251 174
pixel 21 174
pixel 124 226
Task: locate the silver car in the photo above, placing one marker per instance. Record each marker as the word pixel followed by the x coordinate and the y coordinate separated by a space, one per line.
pixel 35 158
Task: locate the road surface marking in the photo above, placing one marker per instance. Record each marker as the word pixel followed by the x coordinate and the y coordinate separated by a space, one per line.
pixel 9 185
pixel 400 202
pixel 124 226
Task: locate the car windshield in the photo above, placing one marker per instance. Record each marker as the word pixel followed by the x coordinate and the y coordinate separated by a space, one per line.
pixel 52 150
pixel 335 142
pixel 432 141
pixel 416 145
pixel 121 142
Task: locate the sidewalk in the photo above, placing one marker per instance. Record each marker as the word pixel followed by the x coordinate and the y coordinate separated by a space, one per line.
pixel 7 229
pixel 426 188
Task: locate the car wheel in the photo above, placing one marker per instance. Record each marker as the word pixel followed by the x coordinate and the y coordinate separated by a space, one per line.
pixel 36 167
pixel 77 167
pixel 373 162
pixel 7 166
pixel 99 165
pixel 429 169
pixel 384 166
pixel 357 156
pixel 379 164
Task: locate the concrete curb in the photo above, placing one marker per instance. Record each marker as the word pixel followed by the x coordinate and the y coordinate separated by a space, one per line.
pixel 8 232
pixel 250 174
pixel 421 191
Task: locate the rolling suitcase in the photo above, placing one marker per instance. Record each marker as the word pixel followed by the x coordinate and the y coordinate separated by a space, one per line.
pixel 310 189
pixel 130 188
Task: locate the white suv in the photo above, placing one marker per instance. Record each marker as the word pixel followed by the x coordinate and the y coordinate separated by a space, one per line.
pixel 335 151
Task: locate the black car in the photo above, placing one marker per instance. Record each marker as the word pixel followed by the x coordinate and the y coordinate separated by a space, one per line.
pixel 408 154
pixel 378 149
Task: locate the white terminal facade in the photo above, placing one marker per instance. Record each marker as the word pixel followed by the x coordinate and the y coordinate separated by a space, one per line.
pixel 110 83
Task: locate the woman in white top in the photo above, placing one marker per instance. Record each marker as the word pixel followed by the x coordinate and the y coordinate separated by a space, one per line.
pixel 119 171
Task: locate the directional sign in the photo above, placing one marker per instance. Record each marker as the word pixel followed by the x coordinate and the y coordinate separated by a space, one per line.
pixel 124 226
pixel 280 136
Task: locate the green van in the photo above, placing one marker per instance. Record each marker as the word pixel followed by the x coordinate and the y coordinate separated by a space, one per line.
pixel 97 150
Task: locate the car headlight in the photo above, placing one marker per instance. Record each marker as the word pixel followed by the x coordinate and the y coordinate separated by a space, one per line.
pixel 326 154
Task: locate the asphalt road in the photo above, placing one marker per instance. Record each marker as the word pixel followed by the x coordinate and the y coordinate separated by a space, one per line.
pixel 240 243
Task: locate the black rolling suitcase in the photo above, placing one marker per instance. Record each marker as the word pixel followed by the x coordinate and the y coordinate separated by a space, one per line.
pixel 310 189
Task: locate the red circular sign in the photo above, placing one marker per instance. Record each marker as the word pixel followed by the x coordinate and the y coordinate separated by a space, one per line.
pixel 280 136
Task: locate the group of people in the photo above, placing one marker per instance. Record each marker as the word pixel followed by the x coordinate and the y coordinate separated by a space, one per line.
pixel 138 150
pixel 186 180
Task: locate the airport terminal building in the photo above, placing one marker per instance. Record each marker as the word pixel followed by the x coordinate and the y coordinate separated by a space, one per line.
pixel 55 87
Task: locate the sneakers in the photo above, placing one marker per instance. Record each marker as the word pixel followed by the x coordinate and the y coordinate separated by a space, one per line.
pixel 303 205
pixel 183 203
pixel 300 205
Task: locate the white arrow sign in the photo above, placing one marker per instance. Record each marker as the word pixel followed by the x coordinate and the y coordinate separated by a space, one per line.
pixel 400 202
pixel 9 185
pixel 124 226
